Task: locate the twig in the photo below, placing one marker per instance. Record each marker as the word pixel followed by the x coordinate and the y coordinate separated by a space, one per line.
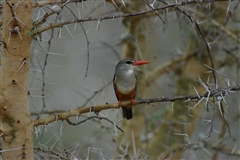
pixel 98 108
pixel 92 117
pixel 155 11
pixel 60 24
pixel 50 152
pixel 87 40
pixel 204 39
pixel 46 2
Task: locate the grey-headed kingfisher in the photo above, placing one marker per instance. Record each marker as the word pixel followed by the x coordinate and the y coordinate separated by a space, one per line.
pixel 125 83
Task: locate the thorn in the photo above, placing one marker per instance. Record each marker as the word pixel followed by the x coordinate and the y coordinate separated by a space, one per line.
pixel 14 82
pixel 56 9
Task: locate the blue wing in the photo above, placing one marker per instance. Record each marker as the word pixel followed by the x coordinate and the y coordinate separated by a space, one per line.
pixel 114 85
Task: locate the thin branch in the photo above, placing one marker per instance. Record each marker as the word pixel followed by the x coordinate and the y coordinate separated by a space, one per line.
pixel 204 39
pixel 229 33
pixel 197 146
pixel 49 151
pixel 60 24
pixel 92 117
pixel 46 2
pixel 155 11
pixel 87 40
pixel 98 108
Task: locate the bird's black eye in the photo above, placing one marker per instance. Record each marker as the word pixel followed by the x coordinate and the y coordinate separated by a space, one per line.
pixel 128 62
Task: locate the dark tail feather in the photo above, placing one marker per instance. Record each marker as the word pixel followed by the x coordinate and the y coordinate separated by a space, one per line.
pixel 127 113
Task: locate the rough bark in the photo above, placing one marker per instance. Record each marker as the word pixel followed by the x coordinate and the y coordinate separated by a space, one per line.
pixel 17 126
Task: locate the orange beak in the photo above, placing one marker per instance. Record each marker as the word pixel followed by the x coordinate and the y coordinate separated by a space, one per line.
pixel 138 63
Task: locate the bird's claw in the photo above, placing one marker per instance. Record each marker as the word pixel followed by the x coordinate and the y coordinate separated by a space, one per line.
pixel 132 101
pixel 119 103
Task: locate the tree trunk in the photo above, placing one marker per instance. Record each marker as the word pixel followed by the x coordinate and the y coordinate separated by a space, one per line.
pixel 17 126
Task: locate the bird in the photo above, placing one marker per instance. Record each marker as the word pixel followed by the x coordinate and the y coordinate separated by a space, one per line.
pixel 125 83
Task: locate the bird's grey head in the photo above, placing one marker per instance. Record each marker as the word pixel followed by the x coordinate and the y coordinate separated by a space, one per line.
pixel 125 66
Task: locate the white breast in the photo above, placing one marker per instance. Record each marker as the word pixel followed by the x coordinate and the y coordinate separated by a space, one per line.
pixel 126 81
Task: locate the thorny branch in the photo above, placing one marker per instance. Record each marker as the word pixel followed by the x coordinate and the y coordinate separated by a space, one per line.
pixel 204 39
pixel 46 2
pixel 207 94
pixel 92 117
pixel 42 3
pixel 40 151
pixel 60 24
pixel 98 108
pixel 197 146
pixel 87 40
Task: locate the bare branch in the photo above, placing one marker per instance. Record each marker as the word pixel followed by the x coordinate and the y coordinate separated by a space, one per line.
pixel 92 117
pixel 45 2
pixel 98 108
pixel 60 24
pixel 49 151
pixel 204 39
pixel 155 11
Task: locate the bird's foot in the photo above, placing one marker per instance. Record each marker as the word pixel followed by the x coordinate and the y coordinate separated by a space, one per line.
pixel 119 103
pixel 132 101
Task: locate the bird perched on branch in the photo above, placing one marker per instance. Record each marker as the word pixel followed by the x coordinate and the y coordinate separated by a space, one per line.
pixel 125 83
